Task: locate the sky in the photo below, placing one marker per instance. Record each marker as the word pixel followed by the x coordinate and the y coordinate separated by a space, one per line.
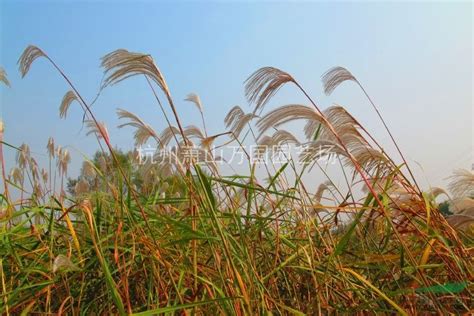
pixel 413 58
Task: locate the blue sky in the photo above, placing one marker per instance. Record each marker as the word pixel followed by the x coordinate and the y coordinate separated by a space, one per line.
pixel 415 59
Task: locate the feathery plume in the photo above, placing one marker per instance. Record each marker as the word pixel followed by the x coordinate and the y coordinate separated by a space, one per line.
pixel 334 77
pixel 194 98
pixel 34 168
pixel 338 117
pixel 64 158
pixel 286 114
pixel 193 131
pixel 318 149
pixel 264 83
pixel 88 169
pixel 102 163
pixel 462 183
pixel 3 77
pixel 167 134
pixel 68 98
pixel 235 113
pixel 44 175
pixel 81 187
pixel 369 158
pixel 50 147
pixel 30 54
pixel 17 175
pixel 434 192
pixel 98 128
pixel 143 131
pixel 122 64
pixel 23 156
pixel 272 143
pixel 240 123
pixel 284 137
pixel 323 187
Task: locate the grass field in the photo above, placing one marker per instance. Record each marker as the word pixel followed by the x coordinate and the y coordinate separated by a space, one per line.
pixel 179 237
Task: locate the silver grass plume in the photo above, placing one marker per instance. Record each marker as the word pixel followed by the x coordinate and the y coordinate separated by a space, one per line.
pixel 323 187
pixel 334 77
pixel 23 156
pixel 234 114
pixel 286 114
pixel 318 149
pixel 462 183
pixel 122 64
pixel 339 118
pixel 193 131
pixel 44 175
pixel 99 129
pixel 143 131
pixel 284 137
pixel 34 169
pixel 3 77
pixel 30 54
pixel 434 192
pixel 82 187
pixel 17 176
pixel 50 148
pixel 272 143
pixel 337 75
pixel 369 158
pixel 64 158
pixel 68 98
pixel 194 98
pixel 167 134
pixel 88 169
pixel 264 83
pixel 240 123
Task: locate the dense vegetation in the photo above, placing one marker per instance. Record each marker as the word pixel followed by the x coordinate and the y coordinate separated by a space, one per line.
pixel 179 237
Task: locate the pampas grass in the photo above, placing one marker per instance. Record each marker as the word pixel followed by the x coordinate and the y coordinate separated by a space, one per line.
pixel 68 98
pixel 175 236
pixel 196 100
pixel 462 183
pixel 142 132
pixel 285 114
pixel 30 54
pixel 122 64
pixel 263 84
pixel 3 77
pixel 97 128
pixel 334 77
pixel 239 123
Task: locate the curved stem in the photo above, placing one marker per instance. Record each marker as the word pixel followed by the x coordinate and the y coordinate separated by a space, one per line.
pixel 390 134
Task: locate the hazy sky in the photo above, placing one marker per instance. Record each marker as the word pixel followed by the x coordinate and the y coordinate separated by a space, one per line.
pixel 415 60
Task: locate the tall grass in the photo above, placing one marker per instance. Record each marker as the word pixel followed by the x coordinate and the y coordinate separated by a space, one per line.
pixel 178 237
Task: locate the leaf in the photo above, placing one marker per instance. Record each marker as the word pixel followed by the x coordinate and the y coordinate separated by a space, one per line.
pixel 448 288
pixel 379 292
pixel 182 306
